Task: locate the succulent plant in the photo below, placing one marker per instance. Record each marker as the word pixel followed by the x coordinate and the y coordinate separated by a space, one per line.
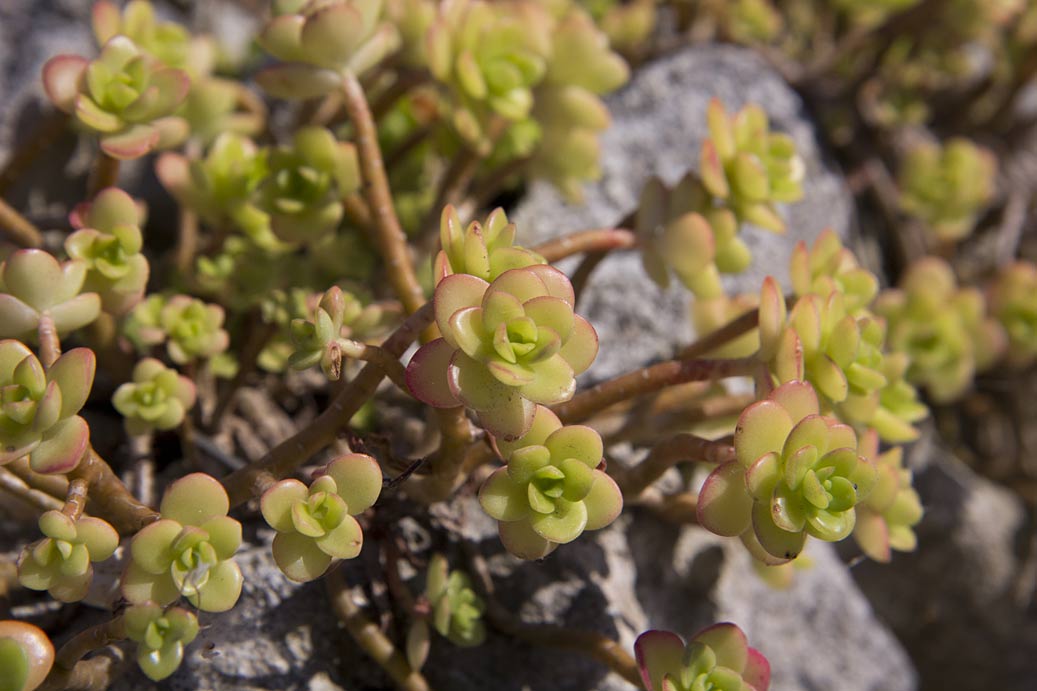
pixel 1012 302
pixel 944 329
pixel 828 267
pixel 26 656
pixel 302 193
pixel 551 489
pixel 718 658
pixel 38 407
pixel 885 520
pixel 491 55
pixel 188 552
pixel 456 609
pixel 315 525
pixel 191 328
pixel 33 284
pixel 157 398
pixel 60 563
pixel 167 42
pixel 796 473
pixel 484 251
pixel 221 187
pixel 748 166
pixel 751 21
pixel 160 635
pixel 109 243
pixel 317 40
pixel 506 346
pixel 948 186
pixel 125 95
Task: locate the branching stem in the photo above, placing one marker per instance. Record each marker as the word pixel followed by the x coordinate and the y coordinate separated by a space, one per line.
pixel 75 502
pixel 109 497
pixel 665 455
pixel 586 241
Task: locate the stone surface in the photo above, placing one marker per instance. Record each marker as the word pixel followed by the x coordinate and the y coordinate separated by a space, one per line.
pixel 658 124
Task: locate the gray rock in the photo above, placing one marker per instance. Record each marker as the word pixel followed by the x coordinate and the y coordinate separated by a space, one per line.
pixel 658 124
pixel 963 603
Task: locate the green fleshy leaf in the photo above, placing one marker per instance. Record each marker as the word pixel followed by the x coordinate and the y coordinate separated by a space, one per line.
pixel 358 480
pixel 299 558
pixel 194 499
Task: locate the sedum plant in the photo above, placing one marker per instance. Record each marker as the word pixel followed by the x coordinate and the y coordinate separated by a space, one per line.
pixel 717 658
pixel 109 243
pixel 796 473
pixel 947 186
pixel 60 563
pixel 188 551
pixel 1012 303
pixel 190 328
pixel 126 96
pixel 160 635
pixel 886 519
pixel 456 609
pixel 34 286
pixel 26 656
pixel 38 407
pixel 551 488
pixel 156 399
pixel 316 525
pixel 482 250
pixel 506 347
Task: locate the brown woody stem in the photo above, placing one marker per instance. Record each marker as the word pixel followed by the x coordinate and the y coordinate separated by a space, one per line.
pixel 254 479
pixel 95 674
pixel 392 243
pixel 50 345
pixel 109 497
pixel 728 332
pixel 665 455
pixel 18 228
pixel 75 502
pixel 105 174
pixel 647 380
pixel 586 241
pixel 369 637
pixel 372 353
pixel 42 501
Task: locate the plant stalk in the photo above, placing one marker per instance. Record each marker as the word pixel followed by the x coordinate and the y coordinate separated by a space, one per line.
pixel 18 228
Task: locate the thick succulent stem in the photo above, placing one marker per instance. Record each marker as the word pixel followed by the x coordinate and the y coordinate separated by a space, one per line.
pixel 392 243
pixel 105 174
pixel 109 497
pixel 647 380
pixel 95 674
pixel 665 455
pixel 75 502
pixel 13 485
pixel 370 638
pixel 18 228
pixel 389 363
pixel 50 345
pixel 590 643
pixel 585 242
pixel 728 332
pixel 88 641
pixel 254 479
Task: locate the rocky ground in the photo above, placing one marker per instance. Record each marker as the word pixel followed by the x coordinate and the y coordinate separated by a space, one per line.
pixel 954 615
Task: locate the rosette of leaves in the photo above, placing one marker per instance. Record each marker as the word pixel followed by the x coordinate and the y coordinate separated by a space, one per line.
pixel 33 284
pixel 192 329
pixel 109 243
pixel 749 167
pixel 160 635
pixel 302 193
pixel 26 655
pixel 796 473
pixel 456 609
pixel 679 232
pixel 1012 301
pixel 506 346
pixel 168 42
pixel 886 519
pixel 947 187
pixel 318 40
pixel 125 95
pixel 718 658
pixel 188 552
pixel 221 187
pixel 156 399
pixel 491 56
pixel 820 342
pixel 552 488
pixel 828 267
pixel 319 341
pixel 483 250
pixel 567 108
pixel 243 273
pixel 316 525
pixel 38 407
pixel 751 21
pixel 60 563
pixel 899 407
pixel 944 329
